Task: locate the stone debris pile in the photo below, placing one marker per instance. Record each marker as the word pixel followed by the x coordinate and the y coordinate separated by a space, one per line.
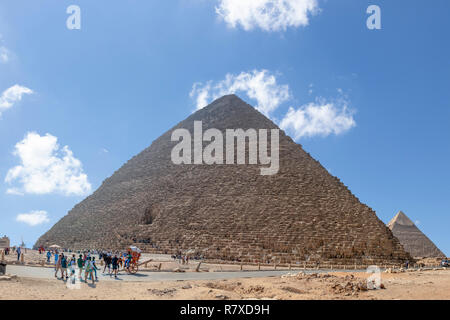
pixel 346 285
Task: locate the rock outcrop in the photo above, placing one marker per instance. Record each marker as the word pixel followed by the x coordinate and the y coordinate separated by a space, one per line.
pixel 230 212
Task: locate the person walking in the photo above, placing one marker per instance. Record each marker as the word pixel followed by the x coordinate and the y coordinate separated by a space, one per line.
pixel 63 267
pixel 80 264
pixel 107 263
pixel 72 264
pixel 57 265
pixel 56 257
pixel 18 253
pixel 94 268
pixel 115 265
pixel 49 255
pixel 128 262
pixel 88 270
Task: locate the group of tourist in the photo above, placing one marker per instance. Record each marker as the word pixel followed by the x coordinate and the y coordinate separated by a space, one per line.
pixel 67 266
pixel 86 263
pixel 112 262
pixel 182 259
pixel 13 250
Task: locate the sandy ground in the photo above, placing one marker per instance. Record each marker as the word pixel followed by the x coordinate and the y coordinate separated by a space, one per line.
pixel 296 286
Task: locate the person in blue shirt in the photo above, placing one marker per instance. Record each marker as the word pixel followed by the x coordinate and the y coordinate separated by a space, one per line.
pixel 49 255
pixel 18 253
pixel 56 258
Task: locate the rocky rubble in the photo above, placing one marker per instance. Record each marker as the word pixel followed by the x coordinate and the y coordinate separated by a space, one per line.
pixel 8 277
pixel 346 285
pixel 163 292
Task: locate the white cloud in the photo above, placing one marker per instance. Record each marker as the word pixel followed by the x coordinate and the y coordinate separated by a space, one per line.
pixel 318 119
pixel 12 95
pixel 14 192
pixel 260 85
pixel 46 168
pixel 4 55
pixel 269 15
pixel 33 218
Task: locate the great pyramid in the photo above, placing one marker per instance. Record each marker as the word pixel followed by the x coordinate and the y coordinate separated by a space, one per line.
pixel 412 239
pixel 302 213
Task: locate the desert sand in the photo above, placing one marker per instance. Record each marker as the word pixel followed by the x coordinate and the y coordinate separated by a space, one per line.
pixel 296 286
pixel 292 285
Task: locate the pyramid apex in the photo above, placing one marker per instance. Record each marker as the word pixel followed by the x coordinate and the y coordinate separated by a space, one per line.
pixel 228 99
pixel 400 218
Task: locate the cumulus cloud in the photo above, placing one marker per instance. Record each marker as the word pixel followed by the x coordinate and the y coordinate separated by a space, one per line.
pixel 260 85
pixel 33 218
pixel 46 168
pixel 4 55
pixel 318 119
pixel 12 95
pixel 14 192
pixel 269 15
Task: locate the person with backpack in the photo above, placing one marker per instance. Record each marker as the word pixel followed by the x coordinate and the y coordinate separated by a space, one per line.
pixel 64 275
pixel 115 266
pixel 80 264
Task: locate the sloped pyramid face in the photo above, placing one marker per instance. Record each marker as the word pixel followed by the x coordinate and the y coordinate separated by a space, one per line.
pixel 412 239
pixel 302 213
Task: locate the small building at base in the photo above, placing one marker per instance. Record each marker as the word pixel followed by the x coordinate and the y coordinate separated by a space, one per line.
pixel 4 243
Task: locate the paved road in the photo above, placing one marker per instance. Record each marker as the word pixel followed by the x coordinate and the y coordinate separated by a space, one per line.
pixel 48 273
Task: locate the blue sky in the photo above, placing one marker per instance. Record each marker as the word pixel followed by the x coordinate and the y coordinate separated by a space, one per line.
pixel 371 105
